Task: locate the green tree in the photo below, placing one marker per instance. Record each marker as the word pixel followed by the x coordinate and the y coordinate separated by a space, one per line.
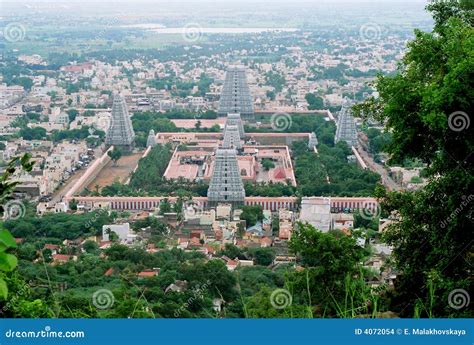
pixel 8 261
pixel 73 205
pixel 72 113
pixel 426 107
pixel 251 214
pixel 267 164
pixel 315 102
pixel 90 247
pixel 263 256
pixel 115 154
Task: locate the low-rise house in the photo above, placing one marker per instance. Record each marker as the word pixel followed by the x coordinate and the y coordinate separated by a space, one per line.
pixel 148 273
pixel 59 259
pixel 177 286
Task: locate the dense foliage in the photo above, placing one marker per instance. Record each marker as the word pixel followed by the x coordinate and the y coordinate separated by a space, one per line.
pixel 427 107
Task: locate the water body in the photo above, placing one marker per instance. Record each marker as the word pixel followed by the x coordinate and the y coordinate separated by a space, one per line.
pixel 158 28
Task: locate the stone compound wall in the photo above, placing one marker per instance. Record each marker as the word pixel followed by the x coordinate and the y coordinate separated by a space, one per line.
pixel 89 175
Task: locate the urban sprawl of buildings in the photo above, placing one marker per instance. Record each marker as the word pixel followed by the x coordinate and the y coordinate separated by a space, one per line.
pixel 224 159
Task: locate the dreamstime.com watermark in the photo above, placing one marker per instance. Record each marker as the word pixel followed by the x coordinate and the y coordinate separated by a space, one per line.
pixel 95 217
pixel 198 293
pixel 44 333
pixel 464 203
pixel 14 32
pixel 14 297
pixel 369 211
pixel 103 299
pixel 458 299
pixel 370 32
pixel 13 210
pixel 192 32
pixel 458 121
pixel 192 210
pixel 281 122
pixel 281 298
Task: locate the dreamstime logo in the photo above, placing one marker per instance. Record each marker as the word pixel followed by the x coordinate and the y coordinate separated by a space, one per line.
pixel 458 299
pixel 281 298
pixel 192 211
pixel 13 209
pixel 192 32
pixel 281 121
pixel 369 211
pixel 13 299
pixel 14 32
pixel 95 217
pixel 458 121
pixel 103 123
pixel 370 32
pixel 458 210
pixel 103 299
pixel 198 293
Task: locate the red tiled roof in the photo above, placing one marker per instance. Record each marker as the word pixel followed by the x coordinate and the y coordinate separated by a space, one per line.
pixel 50 246
pixel 147 273
pixel 62 257
pixel 109 272
pixel 279 173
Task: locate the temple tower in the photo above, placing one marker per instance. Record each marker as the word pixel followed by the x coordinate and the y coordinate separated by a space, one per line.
pixel 346 128
pixel 120 133
pixel 234 119
pixel 235 96
pixel 226 183
pixel 151 140
pixel 313 141
pixel 232 137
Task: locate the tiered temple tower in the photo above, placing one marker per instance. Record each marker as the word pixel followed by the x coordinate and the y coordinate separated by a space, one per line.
pixel 232 137
pixel 235 96
pixel 151 140
pixel 346 127
pixel 226 184
pixel 313 141
pixel 234 119
pixel 120 133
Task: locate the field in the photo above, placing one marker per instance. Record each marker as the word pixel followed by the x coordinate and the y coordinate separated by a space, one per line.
pixel 119 171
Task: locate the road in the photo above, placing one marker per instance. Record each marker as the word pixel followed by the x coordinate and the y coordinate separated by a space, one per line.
pixel 379 169
pixel 59 193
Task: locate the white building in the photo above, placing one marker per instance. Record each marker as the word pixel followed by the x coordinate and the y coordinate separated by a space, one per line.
pixel 122 230
pixel 317 212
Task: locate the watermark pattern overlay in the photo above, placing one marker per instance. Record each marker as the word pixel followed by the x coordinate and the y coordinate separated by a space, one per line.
pixel 458 299
pixel 192 32
pixel 197 293
pixel 370 32
pixel 47 332
pixel 14 32
pixel 458 121
pixel 192 210
pixel 12 299
pixel 103 123
pixel 368 211
pixel 13 210
pixel 466 200
pixel 281 298
pixel 103 299
pixel 281 122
